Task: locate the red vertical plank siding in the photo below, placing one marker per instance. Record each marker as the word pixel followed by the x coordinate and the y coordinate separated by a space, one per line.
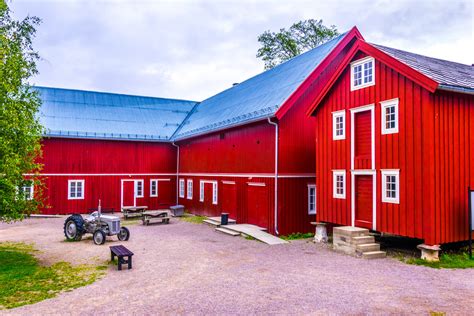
pixel 432 150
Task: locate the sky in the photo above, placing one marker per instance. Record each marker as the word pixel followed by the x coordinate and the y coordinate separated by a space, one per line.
pixel 195 49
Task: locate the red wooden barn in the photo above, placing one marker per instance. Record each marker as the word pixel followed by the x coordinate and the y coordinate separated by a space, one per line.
pixel 395 144
pixel 108 146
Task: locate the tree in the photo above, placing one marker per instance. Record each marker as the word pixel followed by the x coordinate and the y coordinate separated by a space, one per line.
pixel 286 44
pixel 20 130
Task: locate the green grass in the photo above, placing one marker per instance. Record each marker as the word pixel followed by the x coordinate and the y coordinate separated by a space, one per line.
pixel 24 281
pixel 196 219
pixel 295 236
pixel 446 261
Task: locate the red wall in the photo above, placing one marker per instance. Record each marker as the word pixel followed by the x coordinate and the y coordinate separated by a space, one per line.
pixel 103 164
pixel 412 150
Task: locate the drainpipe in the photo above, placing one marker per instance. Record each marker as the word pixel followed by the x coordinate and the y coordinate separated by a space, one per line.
pixel 276 174
pixel 177 174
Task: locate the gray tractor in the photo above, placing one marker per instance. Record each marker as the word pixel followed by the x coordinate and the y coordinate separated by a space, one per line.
pixel 96 224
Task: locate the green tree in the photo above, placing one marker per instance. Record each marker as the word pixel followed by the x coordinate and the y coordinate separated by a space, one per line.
pixel 299 38
pixel 20 130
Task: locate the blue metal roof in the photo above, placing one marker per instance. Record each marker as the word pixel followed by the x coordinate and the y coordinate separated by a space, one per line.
pixel 88 114
pixel 256 98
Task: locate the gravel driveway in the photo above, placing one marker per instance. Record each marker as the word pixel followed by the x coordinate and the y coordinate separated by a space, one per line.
pixel 185 268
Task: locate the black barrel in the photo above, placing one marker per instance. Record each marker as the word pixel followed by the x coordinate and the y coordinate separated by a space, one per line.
pixel 224 218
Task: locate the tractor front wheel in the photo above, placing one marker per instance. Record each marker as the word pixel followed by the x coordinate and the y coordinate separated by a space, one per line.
pixel 99 237
pixel 124 234
pixel 74 227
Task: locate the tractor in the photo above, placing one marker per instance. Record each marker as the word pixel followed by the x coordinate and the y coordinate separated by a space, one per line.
pixel 96 224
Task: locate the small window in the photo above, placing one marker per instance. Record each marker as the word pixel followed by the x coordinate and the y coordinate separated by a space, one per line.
pixel 311 199
pixel 391 186
pixel 181 188
pixel 338 125
pixel 201 191
pixel 190 189
pixel 214 192
pixel 339 184
pixel 75 189
pixel 362 73
pixel 139 188
pixel 28 191
pixel 153 188
pixel 389 116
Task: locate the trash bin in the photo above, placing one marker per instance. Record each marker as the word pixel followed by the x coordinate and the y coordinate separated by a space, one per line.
pixel 177 210
pixel 224 218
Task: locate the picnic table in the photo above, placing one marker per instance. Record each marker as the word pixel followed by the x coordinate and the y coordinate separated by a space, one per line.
pixel 133 211
pixel 160 215
pixel 120 252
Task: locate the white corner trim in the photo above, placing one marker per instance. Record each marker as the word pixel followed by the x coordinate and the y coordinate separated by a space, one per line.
pixel 359 62
pixel 385 104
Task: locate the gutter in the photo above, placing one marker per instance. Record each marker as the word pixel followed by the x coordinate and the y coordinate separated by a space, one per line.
pixel 276 174
pixel 455 89
pixel 177 173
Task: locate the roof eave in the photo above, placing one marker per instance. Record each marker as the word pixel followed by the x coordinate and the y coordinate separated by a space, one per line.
pixel 456 89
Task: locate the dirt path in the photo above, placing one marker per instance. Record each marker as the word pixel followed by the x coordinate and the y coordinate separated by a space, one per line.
pixel 185 268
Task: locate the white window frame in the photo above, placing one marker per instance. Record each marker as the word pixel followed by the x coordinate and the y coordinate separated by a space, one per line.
pixel 214 193
pixel 311 211
pixel 142 194
pixel 384 105
pixel 189 192
pixel 201 191
pixel 181 188
pixel 390 172
pixel 335 174
pixel 69 184
pixel 336 115
pixel 153 182
pixel 31 193
pixel 358 63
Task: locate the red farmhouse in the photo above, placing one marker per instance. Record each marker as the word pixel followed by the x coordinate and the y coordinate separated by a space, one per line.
pixel 395 144
pixel 251 149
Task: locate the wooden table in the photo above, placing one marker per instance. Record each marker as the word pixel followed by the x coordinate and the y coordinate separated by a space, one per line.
pixel 160 215
pixel 133 211
pixel 121 252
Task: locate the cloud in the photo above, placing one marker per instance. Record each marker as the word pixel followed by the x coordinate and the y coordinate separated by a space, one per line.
pixel 194 49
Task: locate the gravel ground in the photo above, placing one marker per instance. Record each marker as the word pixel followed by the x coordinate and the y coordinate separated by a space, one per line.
pixel 185 268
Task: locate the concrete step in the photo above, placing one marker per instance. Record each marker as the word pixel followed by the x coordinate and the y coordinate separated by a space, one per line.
pixel 362 240
pixel 217 219
pixel 211 222
pixel 368 247
pixel 349 231
pixel 227 231
pixel 374 254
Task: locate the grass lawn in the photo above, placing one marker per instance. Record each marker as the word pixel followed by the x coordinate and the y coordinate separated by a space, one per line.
pixel 196 219
pixel 453 260
pixel 297 236
pixel 24 281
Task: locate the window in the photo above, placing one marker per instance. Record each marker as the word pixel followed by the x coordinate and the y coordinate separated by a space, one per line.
pixel 338 125
pixel 181 188
pixel 362 73
pixel 389 116
pixel 190 189
pixel 139 188
pixel 153 188
pixel 391 186
pixel 339 184
pixel 28 191
pixel 75 189
pixel 311 199
pixel 214 192
pixel 201 191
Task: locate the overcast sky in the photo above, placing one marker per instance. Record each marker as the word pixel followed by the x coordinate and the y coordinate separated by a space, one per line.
pixel 194 49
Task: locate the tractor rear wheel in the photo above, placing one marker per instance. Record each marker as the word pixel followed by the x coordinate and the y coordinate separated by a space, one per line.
pixel 74 227
pixel 99 237
pixel 124 234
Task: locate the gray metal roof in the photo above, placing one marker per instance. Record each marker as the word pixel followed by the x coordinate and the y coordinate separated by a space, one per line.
pixel 446 73
pixel 88 114
pixel 256 98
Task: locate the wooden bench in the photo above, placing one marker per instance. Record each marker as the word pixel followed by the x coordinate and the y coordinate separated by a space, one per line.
pixel 133 211
pixel 120 252
pixel 160 215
